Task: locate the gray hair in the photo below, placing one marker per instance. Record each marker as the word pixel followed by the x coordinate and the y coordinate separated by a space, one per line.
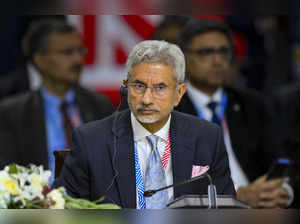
pixel 158 51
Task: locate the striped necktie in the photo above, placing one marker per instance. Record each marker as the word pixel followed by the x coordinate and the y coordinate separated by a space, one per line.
pixel 155 177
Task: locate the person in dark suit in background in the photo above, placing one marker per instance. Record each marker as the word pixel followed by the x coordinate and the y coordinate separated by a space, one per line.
pixel 20 80
pixel 36 123
pixel 169 28
pixel 148 146
pixel 242 113
pixel 24 77
pixel 285 101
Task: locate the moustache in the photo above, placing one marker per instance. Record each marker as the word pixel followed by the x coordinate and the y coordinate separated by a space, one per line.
pixel 147 107
pixel 218 71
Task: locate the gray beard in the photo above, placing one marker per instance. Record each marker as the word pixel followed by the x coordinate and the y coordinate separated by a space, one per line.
pixel 146 120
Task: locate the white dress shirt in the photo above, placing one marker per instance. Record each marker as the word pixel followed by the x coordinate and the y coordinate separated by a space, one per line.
pixel 35 80
pixel 200 100
pixel 144 148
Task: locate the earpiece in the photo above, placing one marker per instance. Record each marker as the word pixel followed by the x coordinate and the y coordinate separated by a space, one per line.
pixel 123 90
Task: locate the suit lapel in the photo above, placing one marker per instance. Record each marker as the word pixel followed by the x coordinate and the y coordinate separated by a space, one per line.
pixel 235 121
pixel 125 163
pixel 86 109
pixel 240 130
pixel 35 141
pixel 182 153
pixel 186 106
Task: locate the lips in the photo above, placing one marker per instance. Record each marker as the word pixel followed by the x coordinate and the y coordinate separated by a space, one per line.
pixel 146 111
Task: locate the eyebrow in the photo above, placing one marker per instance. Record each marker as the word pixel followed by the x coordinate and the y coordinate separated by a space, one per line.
pixel 139 82
pixel 214 47
pixel 158 84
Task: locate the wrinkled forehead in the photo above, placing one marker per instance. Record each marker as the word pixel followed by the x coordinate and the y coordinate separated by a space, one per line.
pixel 70 39
pixel 152 73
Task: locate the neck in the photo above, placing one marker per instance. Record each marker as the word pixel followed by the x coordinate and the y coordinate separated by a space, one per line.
pixel 206 89
pixel 56 89
pixel 155 127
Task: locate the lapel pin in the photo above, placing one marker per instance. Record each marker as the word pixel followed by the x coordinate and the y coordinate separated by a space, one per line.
pixel 236 107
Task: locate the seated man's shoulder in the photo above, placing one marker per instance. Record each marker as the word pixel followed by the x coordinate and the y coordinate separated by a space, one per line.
pixel 193 122
pixel 99 102
pixel 15 101
pixel 92 94
pixel 249 99
pixel 92 126
pixel 245 94
pixel 288 93
pixel 104 126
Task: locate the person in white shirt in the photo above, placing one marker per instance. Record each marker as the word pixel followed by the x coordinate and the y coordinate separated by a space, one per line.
pixel 242 114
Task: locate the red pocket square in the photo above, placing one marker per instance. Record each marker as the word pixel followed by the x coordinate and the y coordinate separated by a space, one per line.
pixel 199 170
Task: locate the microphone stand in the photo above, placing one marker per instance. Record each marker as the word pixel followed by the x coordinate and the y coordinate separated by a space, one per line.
pixel 212 192
pixel 149 193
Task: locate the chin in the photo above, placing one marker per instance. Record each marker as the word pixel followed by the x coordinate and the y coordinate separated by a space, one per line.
pixel 215 85
pixel 72 81
pixel 147 120
pixel 73 78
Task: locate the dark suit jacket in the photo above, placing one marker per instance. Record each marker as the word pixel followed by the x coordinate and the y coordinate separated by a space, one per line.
pixel 286 102
pixel 94 168
pixel 15 82
pixel 250 126
pixel 22 128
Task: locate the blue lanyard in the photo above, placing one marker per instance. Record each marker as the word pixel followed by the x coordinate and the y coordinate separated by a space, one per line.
pixel 139 180
pixel 220 113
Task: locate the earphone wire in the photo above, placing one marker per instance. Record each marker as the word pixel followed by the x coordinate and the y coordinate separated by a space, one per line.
pixel 114 130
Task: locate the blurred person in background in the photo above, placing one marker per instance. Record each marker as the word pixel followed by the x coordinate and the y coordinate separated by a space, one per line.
pixel 36 123
pixel 287 106
pixel 24 77
pixel 169 28
pixel 242 113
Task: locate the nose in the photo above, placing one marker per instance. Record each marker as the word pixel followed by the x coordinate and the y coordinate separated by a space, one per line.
pixel 147 97
pixel 78 57
pixel 218 58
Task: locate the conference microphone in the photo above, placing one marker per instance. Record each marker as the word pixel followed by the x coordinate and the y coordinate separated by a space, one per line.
pixel 211 191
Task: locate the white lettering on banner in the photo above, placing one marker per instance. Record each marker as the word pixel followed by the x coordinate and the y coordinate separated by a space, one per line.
pixel 115 35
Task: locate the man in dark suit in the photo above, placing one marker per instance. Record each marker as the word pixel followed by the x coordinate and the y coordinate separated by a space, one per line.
pixel 287 106
pixel 148 146
pixel 25 76
pixel 242 114
pixel 36 123
pixel 14 82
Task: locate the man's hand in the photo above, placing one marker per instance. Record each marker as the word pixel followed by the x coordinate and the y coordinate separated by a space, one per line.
pixel 264 193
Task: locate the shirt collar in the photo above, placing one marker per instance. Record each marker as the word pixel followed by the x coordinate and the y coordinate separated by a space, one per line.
pixel 139 132
pixel 34 76
pixel 56 101
pixel 201 98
